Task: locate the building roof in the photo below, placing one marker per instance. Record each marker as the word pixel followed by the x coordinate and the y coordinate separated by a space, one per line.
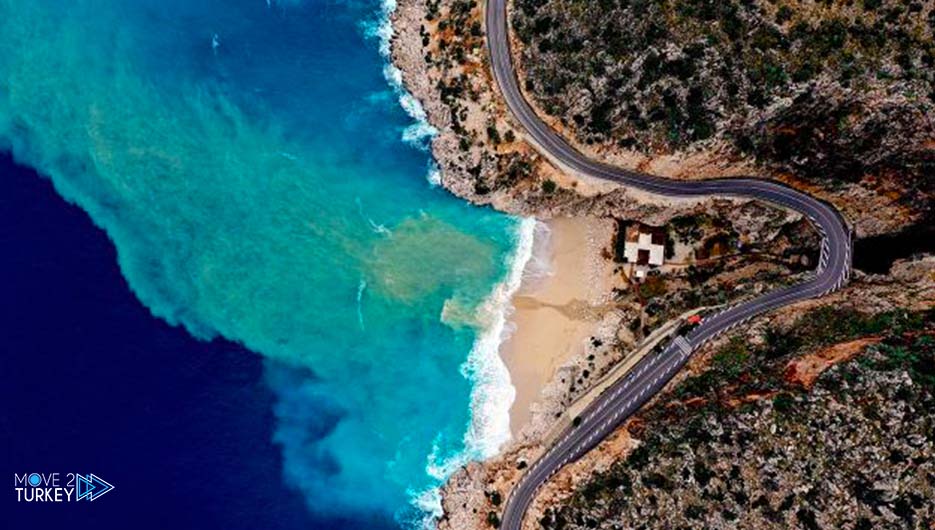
pixel 644 245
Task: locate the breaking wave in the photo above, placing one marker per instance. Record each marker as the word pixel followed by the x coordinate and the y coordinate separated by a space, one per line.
pixel 421 132
pixel 492 391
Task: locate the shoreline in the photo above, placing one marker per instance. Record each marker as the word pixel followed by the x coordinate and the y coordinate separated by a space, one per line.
pixel 508 358
pixel 555 312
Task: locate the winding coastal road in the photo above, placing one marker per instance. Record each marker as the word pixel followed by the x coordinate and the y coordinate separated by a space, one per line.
pixel 626 395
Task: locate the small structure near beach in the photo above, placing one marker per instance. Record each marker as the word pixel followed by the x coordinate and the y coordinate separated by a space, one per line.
pixel 644 246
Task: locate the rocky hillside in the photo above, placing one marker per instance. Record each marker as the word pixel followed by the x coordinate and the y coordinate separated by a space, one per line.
pixel 771 437
pixel 763 377
pixel 861 139
pixel 829 93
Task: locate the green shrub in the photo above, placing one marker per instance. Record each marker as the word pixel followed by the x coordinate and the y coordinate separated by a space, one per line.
pixel 783 402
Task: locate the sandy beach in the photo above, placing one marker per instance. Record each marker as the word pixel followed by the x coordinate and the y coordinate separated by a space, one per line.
pixel 557 307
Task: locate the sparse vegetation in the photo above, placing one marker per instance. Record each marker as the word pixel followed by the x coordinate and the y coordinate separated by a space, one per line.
pixel 830 92
pixel 731 465
pixel 743 368
pixel 451 36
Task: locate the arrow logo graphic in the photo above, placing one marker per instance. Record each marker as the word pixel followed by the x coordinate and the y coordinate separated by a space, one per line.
pixel 91 486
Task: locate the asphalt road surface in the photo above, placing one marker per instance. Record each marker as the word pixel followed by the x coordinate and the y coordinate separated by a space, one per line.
pixel 648 376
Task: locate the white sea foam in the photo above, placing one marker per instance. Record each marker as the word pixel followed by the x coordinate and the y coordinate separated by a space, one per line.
pixel 361 287
pixel 429 501
pixel 493 393
pixel 382 28
pixel 420 133
pixel 435 174
pixel 378 228
pixel 539 266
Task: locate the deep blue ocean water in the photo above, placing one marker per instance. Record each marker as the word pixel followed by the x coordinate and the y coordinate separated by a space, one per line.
pixel 332 317
pixel 93 383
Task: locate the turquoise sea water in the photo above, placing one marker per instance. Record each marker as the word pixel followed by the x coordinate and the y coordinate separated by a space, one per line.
pixel 248 160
